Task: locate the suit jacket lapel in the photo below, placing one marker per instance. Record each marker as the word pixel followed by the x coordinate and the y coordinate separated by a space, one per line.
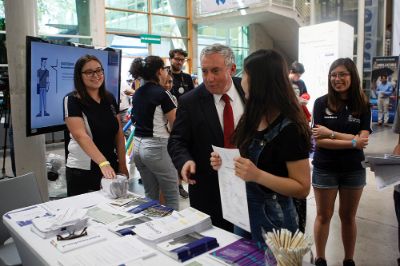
pixel 211 115
pixel 238 86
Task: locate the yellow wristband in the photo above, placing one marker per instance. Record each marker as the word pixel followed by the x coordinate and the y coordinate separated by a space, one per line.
pixel 105 163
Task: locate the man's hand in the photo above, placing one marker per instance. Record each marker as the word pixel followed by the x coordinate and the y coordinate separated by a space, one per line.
pixel 215 161
pixel 188 169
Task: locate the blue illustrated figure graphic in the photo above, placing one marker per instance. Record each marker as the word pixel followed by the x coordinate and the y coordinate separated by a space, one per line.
pixel 220 2
pixel 43 85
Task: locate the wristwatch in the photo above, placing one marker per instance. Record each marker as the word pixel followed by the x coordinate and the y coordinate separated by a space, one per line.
pixel 332 136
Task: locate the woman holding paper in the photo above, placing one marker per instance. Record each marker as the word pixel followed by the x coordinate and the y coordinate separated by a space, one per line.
pixel 341 128
pixel 97 145
pixel 274 141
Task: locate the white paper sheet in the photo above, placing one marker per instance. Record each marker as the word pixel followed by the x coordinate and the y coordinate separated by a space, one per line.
pixel 80 202
pixel 386 169
pixel 25 216
pixel 233 190
pixel 116 252
pixel 177 224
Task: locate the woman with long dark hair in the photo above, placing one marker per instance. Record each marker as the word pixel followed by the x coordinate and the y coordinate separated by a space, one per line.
pixel 152 108
pixel 97 145
pixel 341 128
pixel 274 140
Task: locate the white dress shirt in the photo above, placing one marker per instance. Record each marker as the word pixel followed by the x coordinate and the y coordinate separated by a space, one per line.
pixel 236 103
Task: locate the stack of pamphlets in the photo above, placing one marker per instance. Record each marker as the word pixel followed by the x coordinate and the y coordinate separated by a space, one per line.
pixel 386 168
pixel 67 220
pixel 105 214
pixel 24 216
pixel 177 224
pixel 125 226
pixel 242 252
pixel 137 204
pixel 187 246
pixel 157 211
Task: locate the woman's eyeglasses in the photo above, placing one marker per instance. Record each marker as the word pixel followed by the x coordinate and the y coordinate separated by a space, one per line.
pixel 72 235
pixel 92 73
pixel 340 75
pixel 168 68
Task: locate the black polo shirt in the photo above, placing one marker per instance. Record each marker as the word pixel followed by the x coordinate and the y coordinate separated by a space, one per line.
pixel 150 103
pixel 100 121
pixel 182 83
pixel 344 122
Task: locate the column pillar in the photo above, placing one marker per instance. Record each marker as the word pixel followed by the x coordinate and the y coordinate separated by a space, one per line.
pixel 360 38
pixel 29 151
pixel 97 23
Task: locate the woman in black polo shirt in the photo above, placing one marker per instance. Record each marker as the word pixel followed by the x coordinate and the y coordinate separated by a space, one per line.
pixel 341 128
pixel 152 108
pixel 97 146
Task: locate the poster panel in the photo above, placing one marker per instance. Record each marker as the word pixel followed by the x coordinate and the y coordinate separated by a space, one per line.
pixel 384 65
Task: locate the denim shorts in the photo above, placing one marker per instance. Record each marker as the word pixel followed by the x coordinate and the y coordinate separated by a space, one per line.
pixel 322 178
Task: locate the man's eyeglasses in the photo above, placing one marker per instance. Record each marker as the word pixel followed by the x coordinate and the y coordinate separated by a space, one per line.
pixel 339 75
pixel 72 235
pixel 91 73
pixel 179 59
pixel 169 81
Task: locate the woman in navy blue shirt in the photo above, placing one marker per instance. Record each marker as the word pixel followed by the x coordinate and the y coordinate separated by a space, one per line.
pixel 341 129
pixel 153 109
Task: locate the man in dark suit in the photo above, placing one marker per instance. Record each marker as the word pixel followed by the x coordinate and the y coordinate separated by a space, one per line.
pixel 199 124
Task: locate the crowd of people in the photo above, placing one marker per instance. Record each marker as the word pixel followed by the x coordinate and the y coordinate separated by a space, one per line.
pixel 264 114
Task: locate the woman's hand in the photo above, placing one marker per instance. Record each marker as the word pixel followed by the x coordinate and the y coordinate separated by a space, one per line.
pixel 361 142
pixel 215 161
pixel 246 169
pixel 108 171
pixel 321 132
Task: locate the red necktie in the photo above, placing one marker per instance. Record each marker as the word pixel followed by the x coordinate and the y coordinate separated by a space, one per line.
pixel 228 122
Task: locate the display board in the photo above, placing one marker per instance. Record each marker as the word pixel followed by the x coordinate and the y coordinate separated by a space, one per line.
pixel 49 75
pixel 319 46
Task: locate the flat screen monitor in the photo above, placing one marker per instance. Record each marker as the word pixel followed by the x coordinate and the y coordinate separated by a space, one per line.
pixel 50 76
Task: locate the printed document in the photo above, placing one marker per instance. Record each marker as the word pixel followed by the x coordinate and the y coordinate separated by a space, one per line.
pixel 117 252
pixel 233 190
pixel 386 169
pixel 25 216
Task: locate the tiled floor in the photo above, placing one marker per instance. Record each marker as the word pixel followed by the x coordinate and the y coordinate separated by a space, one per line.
pixel 376 221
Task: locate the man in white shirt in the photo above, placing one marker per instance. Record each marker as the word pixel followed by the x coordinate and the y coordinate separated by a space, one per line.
pixel 200 123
